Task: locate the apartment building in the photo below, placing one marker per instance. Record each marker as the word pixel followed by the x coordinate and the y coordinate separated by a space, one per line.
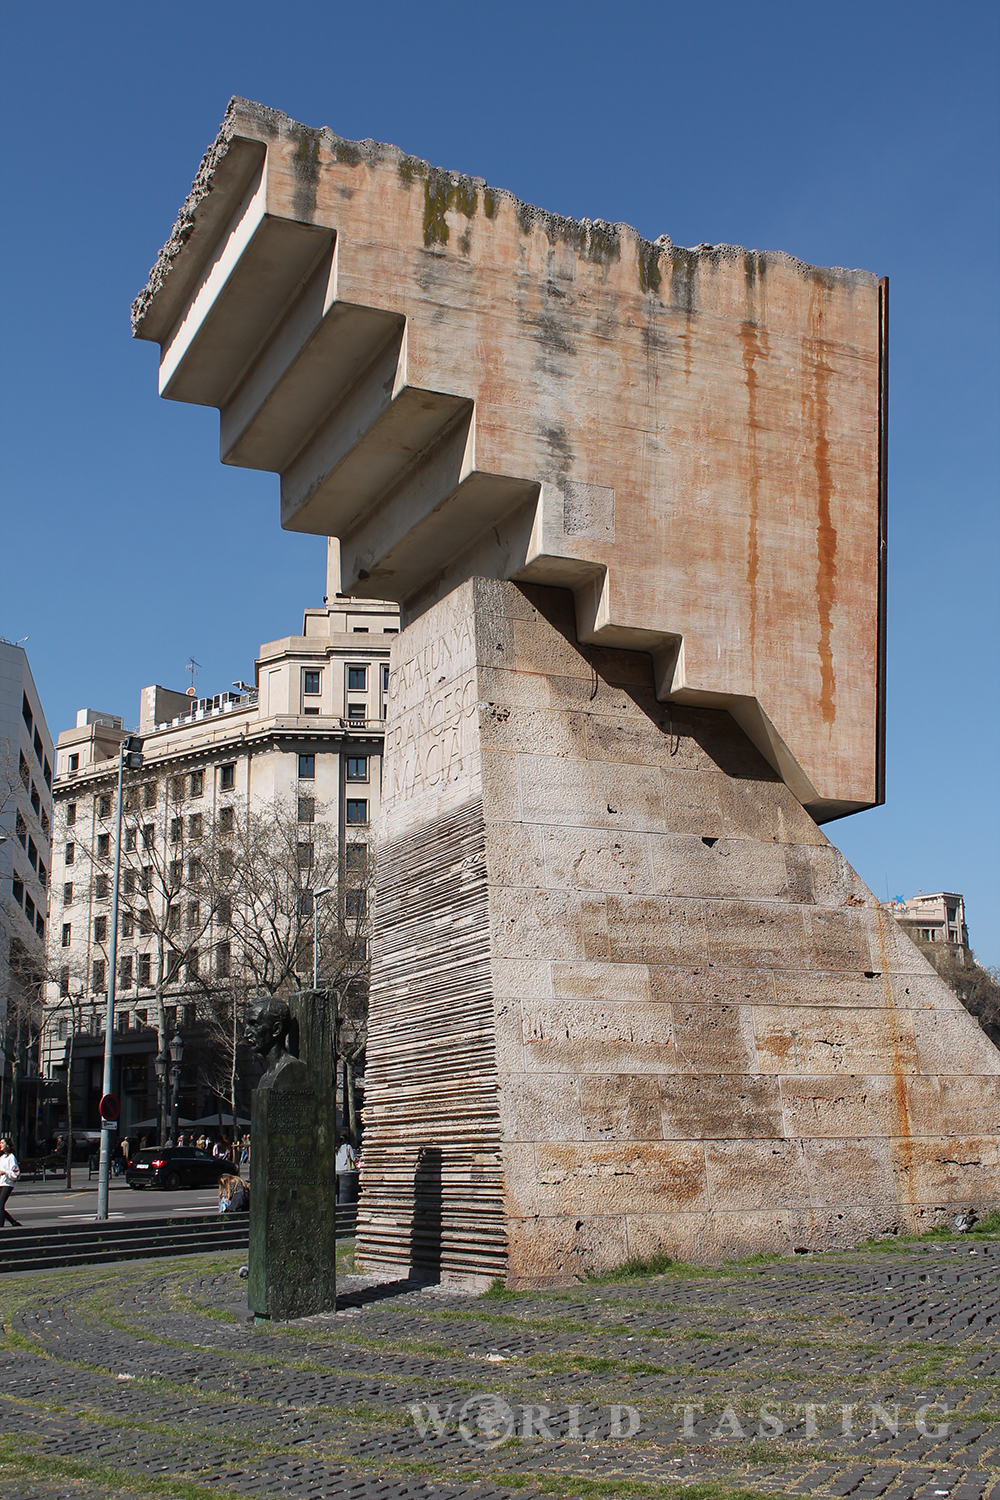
pixel 308 731
pixel 26 775
pixel 936 918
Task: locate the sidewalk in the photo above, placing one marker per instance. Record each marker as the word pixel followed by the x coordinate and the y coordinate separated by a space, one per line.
pixel 867 1374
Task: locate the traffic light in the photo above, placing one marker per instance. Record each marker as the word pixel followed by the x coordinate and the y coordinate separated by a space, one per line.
pixel 132 752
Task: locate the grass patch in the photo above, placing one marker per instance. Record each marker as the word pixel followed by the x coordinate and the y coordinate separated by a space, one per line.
pixel 17 1463
pixel 498 1291
pixel 756 1260
pixel 633 1270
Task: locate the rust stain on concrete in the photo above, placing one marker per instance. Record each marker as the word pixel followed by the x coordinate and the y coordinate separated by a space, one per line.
pixel 826 532
pixel 752 351
pixel 902 1141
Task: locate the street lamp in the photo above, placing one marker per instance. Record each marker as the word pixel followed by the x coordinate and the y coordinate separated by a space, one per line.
pixel 176 1053
pixel 129 759
pixel 160 1068
pixel 324 890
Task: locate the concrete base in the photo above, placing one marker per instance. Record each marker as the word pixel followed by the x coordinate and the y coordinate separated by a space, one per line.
pixel 627 997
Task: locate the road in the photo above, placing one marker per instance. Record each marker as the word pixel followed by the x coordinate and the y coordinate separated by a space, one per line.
pixel 40 1204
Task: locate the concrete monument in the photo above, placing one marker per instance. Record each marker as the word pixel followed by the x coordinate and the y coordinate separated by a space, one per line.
pixel 631 498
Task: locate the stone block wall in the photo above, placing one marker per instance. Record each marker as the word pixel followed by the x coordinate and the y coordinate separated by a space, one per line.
pixel 627 996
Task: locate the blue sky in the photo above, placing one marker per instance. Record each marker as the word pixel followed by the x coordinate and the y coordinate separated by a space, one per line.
pixel 853 134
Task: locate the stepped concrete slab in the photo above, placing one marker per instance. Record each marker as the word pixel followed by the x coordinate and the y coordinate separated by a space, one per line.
pixel 456 383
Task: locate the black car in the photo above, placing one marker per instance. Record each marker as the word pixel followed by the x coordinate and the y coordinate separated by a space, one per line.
pixel 176 1166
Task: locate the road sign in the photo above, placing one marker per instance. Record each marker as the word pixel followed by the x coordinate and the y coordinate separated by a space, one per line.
pixel 109 1108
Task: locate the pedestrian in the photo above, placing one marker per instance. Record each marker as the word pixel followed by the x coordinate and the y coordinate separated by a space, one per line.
pixel 9 1175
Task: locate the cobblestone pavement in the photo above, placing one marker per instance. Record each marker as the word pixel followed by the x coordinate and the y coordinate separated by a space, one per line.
pixel 869 1374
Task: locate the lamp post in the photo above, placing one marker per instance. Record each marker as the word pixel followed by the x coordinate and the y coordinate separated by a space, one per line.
pixel 324 890
pixel 160 1067
pixel 176 1053
pixel 129 758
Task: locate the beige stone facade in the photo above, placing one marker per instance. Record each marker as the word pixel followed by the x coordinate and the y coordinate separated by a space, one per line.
pixel 309 732
pixel 640 1003
pixel 936 918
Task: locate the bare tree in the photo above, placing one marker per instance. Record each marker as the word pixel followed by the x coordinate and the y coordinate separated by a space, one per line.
pixel 977 987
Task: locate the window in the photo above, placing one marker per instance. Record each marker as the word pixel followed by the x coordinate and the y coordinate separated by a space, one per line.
pixel 103 845
pixel 194 870
pixel 194 826
pixel 32 853
pixel 21 829
pixel 70 814
pixel 17 890
pixel 145 923
pixel 176 872
pixel 356 859
pixel 177 788
pixel 43 878
pixel 125 971
pixel 357 679
pixel 305 856
pixel 130 841
pixel 36 801
pixel 39 747
pixel 222 961
pixel 307 809
pixel 45 823
pixel 313 711
pixel 23 770
pixel 354 904
pixel 26 714
pixel 144 969
pixel 74 762
pixel 126 924
pixel 47 773
pixel 129 800
pixel 197 783
pixel 357 768
pixel 29 909
pixel 193 915
pixel 100 929
pixel 191 965
pixel 361 630
pixel 224 911
pixel 131 881
pixel 146 878
pixel 102 886
pixel 68 893
pixel 171 1017
pixel 148 835
pixel 307 767
pixel 104 805
pixel 357 810
pixel 121 1017
pixel 149 794
pixel 70 854
pixel 227 778
pixel 952 913
pixel 97 974
pixel 227 820
pixel 40 925
pixel 356 713
pixel 225 863
pixel 67 934
pixel 63 990
pixel 310 682
pixel 141 1017
pixel 176 830
pixel 173 918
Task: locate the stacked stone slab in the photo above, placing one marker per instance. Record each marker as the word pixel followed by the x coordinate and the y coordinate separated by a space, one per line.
pixel 626 991
pixel 626 995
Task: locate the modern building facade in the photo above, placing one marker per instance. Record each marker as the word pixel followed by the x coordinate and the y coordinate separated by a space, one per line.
pixel 308 733
pixel 26 776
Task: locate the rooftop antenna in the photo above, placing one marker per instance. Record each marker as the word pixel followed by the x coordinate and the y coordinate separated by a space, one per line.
pixel 192 667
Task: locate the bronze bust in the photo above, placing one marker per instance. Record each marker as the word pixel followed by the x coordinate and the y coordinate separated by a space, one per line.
pixel 267 1028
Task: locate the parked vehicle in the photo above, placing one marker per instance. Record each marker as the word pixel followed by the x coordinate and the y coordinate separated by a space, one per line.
pixel 178 1166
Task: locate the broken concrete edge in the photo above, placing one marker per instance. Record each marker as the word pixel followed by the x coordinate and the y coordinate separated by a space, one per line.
pixel 596 238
